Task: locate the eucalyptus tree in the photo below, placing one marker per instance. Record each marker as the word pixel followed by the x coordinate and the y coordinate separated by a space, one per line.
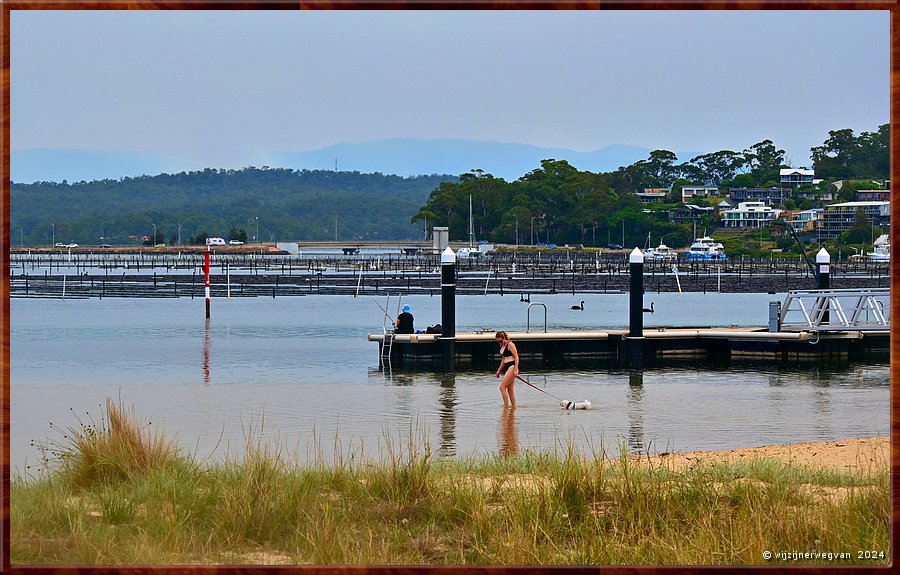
pixel 764 161
pixel 844 156
pixel 715 167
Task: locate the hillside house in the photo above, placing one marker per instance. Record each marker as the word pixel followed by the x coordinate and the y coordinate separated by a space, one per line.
pixel 690 213
pixel 690 192
pixel 872 196
pixel 650 195
pixel 750 215
pixel 805 221
pixel 838 218
pixel 769 196
pixel 796 176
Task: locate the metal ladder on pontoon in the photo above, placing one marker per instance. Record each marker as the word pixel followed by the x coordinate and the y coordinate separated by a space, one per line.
pixel 388 343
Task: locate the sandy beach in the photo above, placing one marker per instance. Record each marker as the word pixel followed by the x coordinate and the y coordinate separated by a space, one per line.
pixel 864 454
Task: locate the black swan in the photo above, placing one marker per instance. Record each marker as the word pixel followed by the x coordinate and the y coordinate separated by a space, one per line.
pixel 579 306
pixel 649 309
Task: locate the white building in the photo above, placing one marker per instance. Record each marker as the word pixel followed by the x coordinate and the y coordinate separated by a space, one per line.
pixel 839 218
pixel 796 176
pixel 689 192
pixel 750 215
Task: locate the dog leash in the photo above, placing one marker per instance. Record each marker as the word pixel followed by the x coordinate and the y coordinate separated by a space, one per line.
pixel 537 388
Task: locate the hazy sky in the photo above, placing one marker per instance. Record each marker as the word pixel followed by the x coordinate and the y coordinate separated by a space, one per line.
pixel 223 89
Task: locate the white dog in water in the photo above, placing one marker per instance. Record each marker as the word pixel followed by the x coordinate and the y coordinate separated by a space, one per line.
pixel 576 404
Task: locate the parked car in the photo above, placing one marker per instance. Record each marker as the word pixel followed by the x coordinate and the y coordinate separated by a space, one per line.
pixel 236 242
pixel 613 247
pixel 60 245
pixel 215 241
pixel 105 246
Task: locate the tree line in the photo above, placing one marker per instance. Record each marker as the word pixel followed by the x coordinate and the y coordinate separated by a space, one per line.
pixel 554 203
pixel 264 204
pixel 557 203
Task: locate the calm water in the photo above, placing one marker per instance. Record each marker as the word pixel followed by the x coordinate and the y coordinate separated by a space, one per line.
pixel 300 371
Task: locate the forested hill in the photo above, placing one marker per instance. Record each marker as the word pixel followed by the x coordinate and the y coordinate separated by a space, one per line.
pixel 288 205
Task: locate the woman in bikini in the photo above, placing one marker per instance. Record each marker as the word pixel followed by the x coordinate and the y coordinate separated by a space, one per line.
pixel 509 368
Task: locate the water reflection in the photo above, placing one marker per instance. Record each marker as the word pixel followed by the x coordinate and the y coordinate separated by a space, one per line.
pixel 447 399
pixel 400 379
pixel 635 402
pixel 509 436
pixel 822 409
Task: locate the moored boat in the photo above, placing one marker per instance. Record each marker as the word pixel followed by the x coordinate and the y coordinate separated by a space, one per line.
pixel 882 249
pixel 705 249
pixel 662 252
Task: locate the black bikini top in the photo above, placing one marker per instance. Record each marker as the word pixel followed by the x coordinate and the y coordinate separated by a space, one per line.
pixel 505 352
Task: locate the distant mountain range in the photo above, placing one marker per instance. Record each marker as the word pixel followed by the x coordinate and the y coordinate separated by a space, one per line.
pixel 402 157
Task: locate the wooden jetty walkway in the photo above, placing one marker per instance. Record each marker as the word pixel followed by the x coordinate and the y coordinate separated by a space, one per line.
pixel 658 346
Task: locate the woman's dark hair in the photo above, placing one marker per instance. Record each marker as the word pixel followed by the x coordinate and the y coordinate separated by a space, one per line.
pixel 501 335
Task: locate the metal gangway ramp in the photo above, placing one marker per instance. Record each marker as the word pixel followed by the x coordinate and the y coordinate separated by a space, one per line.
pixel 836 310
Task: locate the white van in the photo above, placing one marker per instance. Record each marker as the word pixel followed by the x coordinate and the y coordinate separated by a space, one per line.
pixel 215 242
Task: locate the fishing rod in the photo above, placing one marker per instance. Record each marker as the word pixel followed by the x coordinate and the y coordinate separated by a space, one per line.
pixel 379 305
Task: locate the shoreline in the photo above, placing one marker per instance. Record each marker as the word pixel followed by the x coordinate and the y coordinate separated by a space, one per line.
pixel 850 455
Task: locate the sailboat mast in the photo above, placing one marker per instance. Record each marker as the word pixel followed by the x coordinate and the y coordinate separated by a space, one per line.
pixel 471 225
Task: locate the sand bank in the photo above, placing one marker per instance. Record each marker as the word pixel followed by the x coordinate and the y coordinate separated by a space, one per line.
pixel 865 454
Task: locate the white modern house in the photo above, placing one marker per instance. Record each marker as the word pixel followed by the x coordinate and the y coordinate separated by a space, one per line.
pixel 750 215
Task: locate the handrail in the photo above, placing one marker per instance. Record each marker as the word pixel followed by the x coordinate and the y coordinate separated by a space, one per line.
pixel 864 309
pixel 528 319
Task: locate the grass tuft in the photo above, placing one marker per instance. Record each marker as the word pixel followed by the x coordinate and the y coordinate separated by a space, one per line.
pixel 96 453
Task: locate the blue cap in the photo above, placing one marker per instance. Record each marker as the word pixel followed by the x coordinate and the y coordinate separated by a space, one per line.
pixel 406 308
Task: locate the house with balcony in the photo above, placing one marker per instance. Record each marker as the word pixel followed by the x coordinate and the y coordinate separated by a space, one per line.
pixel 805 221
pixel 690 213
pixel 814 194
pixel 690 192
pixel 653 195
pixel 872 196
pixel 750 215
pixel 796 176
pixel 769 196
pixel 839 218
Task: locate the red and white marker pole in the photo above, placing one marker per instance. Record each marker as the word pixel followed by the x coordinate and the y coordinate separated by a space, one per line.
pixel 206 271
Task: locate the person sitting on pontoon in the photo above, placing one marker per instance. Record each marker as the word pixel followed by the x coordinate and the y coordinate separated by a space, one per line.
pixel 404 322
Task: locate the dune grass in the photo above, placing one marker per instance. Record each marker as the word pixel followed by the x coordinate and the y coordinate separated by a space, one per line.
pixel 120 495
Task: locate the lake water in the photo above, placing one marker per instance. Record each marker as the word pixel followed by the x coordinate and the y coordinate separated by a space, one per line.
pixel 299 371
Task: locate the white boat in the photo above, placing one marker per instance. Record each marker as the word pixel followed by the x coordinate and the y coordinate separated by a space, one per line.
pixel 466 252
pixel 882 249
pixel 705 249
pixel 662 252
